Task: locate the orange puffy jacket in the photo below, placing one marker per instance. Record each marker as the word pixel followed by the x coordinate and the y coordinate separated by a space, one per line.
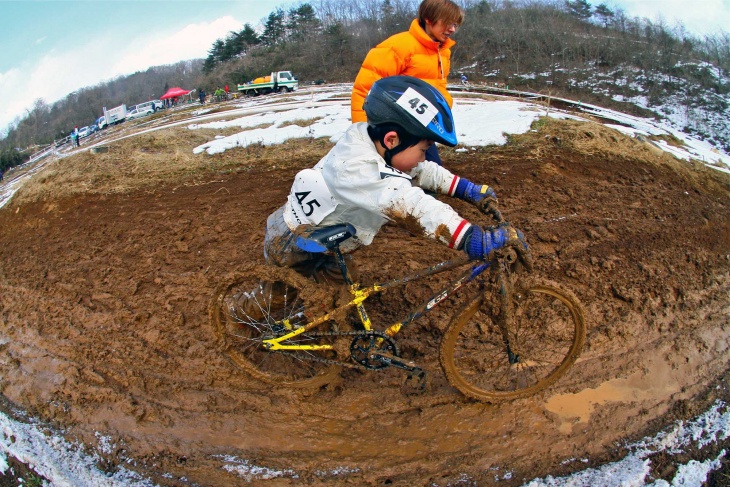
pixel 411 53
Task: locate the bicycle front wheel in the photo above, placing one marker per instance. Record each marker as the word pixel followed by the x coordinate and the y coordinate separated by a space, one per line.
pixel 261 303
pixel 535 345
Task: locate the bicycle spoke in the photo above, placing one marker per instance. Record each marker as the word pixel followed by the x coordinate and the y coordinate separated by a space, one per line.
pixel 251 309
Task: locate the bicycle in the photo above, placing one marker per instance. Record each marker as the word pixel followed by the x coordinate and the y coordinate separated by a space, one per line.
pixel 531 341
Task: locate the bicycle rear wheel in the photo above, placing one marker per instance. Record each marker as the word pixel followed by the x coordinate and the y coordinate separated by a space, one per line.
pixel 544 335
pixel 272 295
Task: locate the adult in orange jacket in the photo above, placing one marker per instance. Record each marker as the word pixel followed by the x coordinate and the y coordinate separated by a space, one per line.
pixel 424 52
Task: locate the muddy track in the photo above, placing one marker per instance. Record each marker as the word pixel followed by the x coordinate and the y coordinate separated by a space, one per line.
pixel 104 318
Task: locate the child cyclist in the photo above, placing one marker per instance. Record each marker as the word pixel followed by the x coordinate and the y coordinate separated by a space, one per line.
pixel 377 173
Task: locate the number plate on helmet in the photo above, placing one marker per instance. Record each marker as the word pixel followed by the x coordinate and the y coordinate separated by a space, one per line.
pixel 417 106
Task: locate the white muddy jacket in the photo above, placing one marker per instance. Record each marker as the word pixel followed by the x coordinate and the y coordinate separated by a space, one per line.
pixel 352 184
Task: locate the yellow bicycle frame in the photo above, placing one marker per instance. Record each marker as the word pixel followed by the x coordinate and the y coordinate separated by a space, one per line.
pixel 359 296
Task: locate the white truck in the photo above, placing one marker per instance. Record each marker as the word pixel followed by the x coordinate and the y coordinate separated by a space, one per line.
pixel 276 82
pixel 115 115
pixel 153 104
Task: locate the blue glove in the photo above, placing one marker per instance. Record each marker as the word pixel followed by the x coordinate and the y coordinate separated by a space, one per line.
pixel 479 195
pixel 480 243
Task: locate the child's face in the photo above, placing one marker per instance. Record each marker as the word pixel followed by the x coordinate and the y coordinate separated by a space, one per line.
pixel 409 158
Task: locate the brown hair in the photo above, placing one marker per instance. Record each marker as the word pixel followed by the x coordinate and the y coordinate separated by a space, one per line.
pixel 435 10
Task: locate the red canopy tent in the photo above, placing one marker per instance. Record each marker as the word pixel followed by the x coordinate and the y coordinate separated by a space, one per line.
pixel 174 93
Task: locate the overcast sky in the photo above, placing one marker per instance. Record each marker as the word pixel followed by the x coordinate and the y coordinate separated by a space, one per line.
pixel 51 48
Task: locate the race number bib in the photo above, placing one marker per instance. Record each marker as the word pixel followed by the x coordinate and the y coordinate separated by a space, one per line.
pixel 310 198
pixel 387 171
pixel 417 106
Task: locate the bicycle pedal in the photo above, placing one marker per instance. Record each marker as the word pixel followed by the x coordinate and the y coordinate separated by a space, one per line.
pixel 416 382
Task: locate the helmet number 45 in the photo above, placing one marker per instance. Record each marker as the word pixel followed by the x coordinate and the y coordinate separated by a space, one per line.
pixel 417 106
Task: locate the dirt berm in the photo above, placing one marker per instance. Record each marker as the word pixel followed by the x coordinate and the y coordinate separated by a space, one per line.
pixel 109 262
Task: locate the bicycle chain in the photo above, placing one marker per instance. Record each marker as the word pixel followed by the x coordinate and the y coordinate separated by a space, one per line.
pixel 336 362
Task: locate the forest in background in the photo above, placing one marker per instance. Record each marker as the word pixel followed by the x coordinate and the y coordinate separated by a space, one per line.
pixel 569 49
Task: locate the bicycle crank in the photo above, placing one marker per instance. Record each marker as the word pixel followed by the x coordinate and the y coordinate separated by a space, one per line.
pixel 416 375
pixel 375 350
pixel 389 360
pixel 367 348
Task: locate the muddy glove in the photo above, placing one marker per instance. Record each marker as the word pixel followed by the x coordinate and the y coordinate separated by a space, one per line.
pixel 480 195
pixel 480 243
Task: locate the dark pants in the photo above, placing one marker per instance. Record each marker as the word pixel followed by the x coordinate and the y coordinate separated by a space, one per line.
pixel 432 154
pixel 280 249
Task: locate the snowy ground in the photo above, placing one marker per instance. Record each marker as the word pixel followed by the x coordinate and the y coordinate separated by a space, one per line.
pixel 327 111
pixel 65 464
pixel 478 122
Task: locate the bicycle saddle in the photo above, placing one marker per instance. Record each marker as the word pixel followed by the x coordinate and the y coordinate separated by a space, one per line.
pixel 324 239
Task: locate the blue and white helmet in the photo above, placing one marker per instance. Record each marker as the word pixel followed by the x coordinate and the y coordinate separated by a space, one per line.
pixel 416 106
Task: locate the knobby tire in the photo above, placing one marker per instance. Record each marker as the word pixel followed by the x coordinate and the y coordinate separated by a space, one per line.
pixel 241 334
pixel 545 332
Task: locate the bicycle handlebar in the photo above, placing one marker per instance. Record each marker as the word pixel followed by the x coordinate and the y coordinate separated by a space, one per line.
pixel 491 210
pixel 508 255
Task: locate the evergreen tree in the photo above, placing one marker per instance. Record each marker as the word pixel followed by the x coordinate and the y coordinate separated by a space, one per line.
pixel 579 8
pixel 605 14
pixel 303 22
pixel 240 42
pixel 387 18
pixel 215 55
pixel 275 28
pixel 248 37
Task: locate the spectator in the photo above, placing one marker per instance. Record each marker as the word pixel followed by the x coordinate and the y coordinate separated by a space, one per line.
pixel 219 93
pixel 75 137
pixel 424 52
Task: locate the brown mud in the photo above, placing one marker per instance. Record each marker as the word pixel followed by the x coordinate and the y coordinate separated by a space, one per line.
pixel 105 329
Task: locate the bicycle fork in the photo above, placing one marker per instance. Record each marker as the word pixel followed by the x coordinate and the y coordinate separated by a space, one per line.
pixel 505 293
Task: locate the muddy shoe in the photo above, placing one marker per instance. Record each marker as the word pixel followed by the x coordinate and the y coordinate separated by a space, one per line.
pixel 328 272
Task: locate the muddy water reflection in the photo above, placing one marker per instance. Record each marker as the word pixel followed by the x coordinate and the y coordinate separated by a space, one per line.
pixel 641 386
